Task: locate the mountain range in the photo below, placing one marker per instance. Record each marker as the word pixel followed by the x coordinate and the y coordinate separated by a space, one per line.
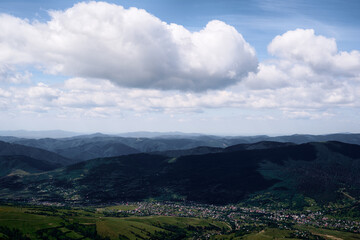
pixel 86 147
pixel 196 169
pixel 9 149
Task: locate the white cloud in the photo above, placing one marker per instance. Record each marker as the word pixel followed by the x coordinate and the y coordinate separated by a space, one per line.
pixel 4 99
pixel 318 52
pixel 4 94
pixel 85 96
pixel 8 74
pixel 42 91
pixel 269 76
pixel 303 45
pixel 307 72
pixel 307 76
pixel 82 98
pixel 129 47
pixel 302 114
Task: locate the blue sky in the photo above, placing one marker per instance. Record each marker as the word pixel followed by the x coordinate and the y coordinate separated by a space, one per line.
pixel 262 67
pixel 258 20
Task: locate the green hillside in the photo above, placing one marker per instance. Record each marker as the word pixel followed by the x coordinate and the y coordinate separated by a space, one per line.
pixel 16 163
pixel 39 222
pixel 10 149
pixel 326 172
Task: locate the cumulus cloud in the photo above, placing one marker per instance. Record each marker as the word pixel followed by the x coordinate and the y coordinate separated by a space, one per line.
pixel 269 76
pixel 102 98
pixel 301 114
pixel 307 72
pixel 302 46
pixel 9 74
pixel 122 59
pixel 129 47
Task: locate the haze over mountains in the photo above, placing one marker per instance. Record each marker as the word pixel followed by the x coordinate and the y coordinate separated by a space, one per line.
pixel 15 164
pixel 102 168
pixel 175 134
pixel 8 149
pixel 85 147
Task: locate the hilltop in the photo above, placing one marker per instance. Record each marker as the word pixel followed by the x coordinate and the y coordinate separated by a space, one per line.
pixel 325 172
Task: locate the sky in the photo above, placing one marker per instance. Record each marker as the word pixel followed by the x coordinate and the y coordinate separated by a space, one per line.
pixel 227 67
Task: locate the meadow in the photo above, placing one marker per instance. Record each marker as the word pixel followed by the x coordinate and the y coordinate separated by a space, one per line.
pixel 24 222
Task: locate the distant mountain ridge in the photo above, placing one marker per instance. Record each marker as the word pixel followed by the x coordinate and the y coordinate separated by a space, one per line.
pixel 295 138
pixel 234 148
pixel 8 149
pixel 144 134
pixel 323 171
pixel 16 163
pixel 93 150
pixel 85 147
pixel 38 134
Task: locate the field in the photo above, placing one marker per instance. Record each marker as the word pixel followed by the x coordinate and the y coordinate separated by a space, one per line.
pixel 58 223
pixel 330 234
pixel 116 222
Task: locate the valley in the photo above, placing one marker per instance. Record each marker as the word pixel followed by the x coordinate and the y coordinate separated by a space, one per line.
pixel 166 220
pixel 253 190
pixel 179 120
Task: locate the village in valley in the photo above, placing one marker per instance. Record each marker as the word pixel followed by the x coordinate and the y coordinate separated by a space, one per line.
pixel 233 221
pixel 237 217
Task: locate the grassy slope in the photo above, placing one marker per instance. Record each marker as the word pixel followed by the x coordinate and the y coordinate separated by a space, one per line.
pixel 15 217
pixel 330 234
pixel 29 220
pixel 9 164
